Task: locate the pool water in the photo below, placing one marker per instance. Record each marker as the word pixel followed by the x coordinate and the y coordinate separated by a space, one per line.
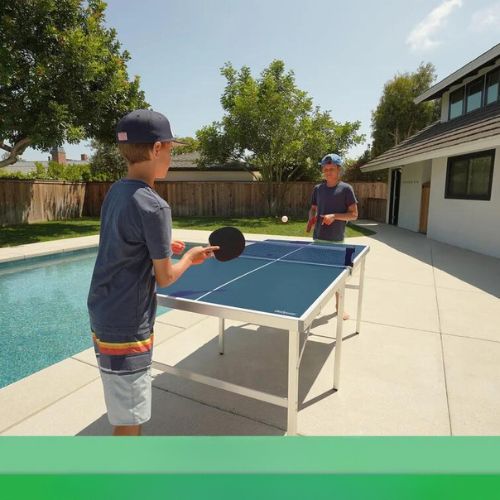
pixel 43 312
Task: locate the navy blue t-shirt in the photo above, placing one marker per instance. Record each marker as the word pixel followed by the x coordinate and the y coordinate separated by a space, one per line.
pixel 331 200
pixel 136 227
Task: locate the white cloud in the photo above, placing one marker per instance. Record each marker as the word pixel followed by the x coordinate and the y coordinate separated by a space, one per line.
pixel 486 18
pixel 421 36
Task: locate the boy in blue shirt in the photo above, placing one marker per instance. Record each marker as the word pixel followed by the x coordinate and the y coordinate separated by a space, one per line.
pixel 135 239
pixel 333 203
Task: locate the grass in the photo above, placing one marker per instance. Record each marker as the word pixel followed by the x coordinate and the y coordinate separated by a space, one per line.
pixel 45 231
pixel 56 230
pixel 259 225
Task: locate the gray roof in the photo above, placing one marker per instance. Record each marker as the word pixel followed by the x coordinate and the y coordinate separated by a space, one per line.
pixel 29 166
pixel 184 161
pixel 477 125
pixel 488 58
pixel 187 161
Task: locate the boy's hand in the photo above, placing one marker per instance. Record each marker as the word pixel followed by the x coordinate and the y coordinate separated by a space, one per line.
pixel 328 219
pixel 198 255
pixel 177 247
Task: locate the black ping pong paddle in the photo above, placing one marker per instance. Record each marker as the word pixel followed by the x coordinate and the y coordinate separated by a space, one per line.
pixel 230 241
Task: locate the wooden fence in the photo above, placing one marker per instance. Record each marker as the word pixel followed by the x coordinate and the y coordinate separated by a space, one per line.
pixel 32 201
pixel 36 201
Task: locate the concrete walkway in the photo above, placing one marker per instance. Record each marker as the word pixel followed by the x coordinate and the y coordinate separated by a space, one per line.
pixel 427 361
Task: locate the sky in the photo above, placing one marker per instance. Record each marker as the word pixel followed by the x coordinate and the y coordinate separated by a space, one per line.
pixel 341 52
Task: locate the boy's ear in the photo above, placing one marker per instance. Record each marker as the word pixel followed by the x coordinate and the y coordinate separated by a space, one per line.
pixel 156 149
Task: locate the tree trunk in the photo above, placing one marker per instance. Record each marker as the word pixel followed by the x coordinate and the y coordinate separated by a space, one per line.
pixel 16 150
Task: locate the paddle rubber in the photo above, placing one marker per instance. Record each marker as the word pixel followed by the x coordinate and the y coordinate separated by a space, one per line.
pixel 230 240
pixel 310 224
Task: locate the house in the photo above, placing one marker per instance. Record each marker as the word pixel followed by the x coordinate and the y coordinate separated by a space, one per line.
pixel 445 180
pixel 183 167
pixel 56 154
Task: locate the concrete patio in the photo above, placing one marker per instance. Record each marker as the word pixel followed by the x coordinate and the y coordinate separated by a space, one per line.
pixel 427 360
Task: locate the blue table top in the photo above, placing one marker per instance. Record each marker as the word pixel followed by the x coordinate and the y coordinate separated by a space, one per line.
pixel 257 281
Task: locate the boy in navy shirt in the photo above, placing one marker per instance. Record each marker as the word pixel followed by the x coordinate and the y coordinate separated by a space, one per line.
pixel 135 239
pixel 333 203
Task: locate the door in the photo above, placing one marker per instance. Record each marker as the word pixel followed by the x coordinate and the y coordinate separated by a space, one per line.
pixel 394 201
pixel 424 207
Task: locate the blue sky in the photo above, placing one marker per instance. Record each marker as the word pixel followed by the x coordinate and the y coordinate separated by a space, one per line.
pixel 342 52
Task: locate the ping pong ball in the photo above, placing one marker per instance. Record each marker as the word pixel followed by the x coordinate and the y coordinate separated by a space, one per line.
pixel 284 219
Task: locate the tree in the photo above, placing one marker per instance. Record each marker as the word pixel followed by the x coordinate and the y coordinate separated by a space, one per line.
pixel 270 123
pixel 190 146
pixel 106 163
pixel 397 117
pixel 63 75
pixel 353 172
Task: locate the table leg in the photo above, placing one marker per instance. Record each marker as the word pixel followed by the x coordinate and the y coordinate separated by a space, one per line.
pixel 360 295
pixel 293 381
pixel 338 342
pixel 221 335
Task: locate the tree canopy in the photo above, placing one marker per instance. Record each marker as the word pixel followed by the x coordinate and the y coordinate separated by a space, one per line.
pixel 397 117
pixel 63 75
pixel 270 123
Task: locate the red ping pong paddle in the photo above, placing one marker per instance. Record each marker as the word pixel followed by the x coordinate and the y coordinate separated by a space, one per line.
pixel 310 224
pixel 230 241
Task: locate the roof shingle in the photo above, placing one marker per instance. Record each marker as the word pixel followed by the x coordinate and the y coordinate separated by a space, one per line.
pixel 439 135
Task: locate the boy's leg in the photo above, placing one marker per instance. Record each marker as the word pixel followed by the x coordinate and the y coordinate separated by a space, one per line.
pixel 127 430
pixel 346 314
pixel 127 382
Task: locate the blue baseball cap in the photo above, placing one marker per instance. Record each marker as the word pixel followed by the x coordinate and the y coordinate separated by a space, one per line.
pixel 144 126
pixel 330 159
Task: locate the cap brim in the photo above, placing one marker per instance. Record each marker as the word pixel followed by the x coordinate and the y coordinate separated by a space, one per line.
pixel 176 142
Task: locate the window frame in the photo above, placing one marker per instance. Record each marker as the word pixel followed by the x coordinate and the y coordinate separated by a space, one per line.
pixel 465 90
pixel 482 101
pixel 470 156
pixel 496 70
pixel 462 88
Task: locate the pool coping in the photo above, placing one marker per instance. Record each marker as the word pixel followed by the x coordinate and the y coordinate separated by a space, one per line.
pixel 40 249
pixel 40 390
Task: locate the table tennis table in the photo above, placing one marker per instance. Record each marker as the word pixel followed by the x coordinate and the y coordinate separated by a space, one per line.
pixel 276 283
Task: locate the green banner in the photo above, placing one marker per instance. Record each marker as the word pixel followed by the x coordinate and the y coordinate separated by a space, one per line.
pixel 249 467
pixel 277 455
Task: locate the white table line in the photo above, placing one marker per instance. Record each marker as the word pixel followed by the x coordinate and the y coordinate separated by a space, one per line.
pixel 245 274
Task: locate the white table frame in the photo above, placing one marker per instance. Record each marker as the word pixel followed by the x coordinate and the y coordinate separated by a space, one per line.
pixel 294 326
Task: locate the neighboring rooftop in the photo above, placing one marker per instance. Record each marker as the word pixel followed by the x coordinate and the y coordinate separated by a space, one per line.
pixel 484 122
pixel 187 161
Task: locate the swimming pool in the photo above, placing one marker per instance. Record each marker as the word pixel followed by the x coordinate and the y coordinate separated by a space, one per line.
pixel 43 311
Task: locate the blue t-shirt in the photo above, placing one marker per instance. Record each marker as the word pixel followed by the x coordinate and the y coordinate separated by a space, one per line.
pixel 331 200
pixel 136 227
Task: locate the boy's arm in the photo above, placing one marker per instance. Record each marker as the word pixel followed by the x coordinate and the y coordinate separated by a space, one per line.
pixel 167 273
pixel 351 214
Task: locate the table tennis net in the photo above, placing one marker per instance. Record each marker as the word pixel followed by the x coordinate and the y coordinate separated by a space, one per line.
pixel 296 252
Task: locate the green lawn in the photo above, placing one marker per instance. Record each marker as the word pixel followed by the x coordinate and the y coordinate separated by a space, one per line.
pixel 55 230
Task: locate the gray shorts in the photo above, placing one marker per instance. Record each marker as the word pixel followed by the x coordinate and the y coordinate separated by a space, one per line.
pixel 128 397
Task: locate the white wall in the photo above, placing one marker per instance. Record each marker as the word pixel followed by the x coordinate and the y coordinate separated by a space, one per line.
pixel 471 224
pixel 412 177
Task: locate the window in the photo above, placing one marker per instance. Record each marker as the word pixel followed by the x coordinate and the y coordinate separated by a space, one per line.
pixel 492 87
pixel 469 177
pixel 474 94
pixel 457 103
